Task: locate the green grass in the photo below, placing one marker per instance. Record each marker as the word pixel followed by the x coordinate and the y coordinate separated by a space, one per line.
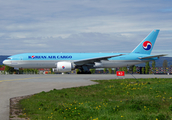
pixel 126 99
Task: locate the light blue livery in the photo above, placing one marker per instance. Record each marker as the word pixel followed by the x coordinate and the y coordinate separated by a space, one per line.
pixel 65 62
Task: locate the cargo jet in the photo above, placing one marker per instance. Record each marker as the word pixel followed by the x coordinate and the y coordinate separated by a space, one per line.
pixel 66 62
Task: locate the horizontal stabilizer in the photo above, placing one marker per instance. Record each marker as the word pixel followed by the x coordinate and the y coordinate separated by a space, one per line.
pixel 152 56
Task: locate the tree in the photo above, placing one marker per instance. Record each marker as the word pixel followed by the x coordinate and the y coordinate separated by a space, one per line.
pixel 30 71
pixel 120 69
pixel 110 70
pixel 51 70
pixel 134 69
pixel 153 65
pixel 143 70
pixel 8 69
pixel 92 71
pixel 124 69
pixel 131 68
pixel 77 71
pixel 21 71
pixel 147 68
pixel 114 70
pixel 165 63
pixel 36 71
pixel 105 69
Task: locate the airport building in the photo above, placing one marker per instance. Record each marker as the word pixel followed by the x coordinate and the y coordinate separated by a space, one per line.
pixel 2 69
pixel 161 70
pixel 157 70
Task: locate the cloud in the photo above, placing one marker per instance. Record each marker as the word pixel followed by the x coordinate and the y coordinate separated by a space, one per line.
pixel 82 26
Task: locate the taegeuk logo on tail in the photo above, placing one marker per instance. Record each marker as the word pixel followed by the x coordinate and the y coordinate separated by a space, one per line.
pixel 147 45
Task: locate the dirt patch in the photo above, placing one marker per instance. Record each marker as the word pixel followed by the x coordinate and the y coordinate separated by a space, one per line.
pixel 15 111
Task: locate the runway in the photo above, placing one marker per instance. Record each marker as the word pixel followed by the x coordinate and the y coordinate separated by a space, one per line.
pixel 21 85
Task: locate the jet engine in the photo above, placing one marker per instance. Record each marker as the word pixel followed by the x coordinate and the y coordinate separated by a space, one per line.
pixel 64 67
pixel 98 65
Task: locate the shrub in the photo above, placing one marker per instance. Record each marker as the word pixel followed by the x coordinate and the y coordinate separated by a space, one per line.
pixel 170 107
pixel 161 117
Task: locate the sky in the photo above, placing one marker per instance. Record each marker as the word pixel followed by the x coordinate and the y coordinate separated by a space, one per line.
pixel 81 26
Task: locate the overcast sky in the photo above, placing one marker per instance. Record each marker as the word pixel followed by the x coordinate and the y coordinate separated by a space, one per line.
pixel 83 25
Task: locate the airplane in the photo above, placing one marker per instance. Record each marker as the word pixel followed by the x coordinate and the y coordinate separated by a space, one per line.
pixel 66 62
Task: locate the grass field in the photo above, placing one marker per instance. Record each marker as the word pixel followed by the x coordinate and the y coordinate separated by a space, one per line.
pixel 122 99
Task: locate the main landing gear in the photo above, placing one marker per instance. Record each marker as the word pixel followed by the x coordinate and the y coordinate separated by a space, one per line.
pixel 84 70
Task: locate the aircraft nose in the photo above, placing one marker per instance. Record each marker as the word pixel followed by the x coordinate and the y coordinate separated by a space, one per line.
pixel 6 62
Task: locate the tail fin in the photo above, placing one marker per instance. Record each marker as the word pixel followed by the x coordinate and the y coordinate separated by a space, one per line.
pixel 146 46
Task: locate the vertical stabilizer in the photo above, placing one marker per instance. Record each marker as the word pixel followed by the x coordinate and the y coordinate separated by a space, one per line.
pixel 146 46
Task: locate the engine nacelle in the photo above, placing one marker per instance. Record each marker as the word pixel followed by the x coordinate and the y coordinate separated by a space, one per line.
pixel 98 65
pixel 64 67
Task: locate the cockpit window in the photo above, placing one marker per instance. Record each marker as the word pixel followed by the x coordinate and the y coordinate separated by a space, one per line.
pixel 8 58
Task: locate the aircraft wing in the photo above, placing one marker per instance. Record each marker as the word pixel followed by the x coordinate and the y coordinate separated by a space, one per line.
pixel 92 60
pixel 152 56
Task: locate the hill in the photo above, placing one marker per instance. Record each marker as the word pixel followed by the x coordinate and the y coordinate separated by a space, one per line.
pixel 3 57
pixel 159 62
